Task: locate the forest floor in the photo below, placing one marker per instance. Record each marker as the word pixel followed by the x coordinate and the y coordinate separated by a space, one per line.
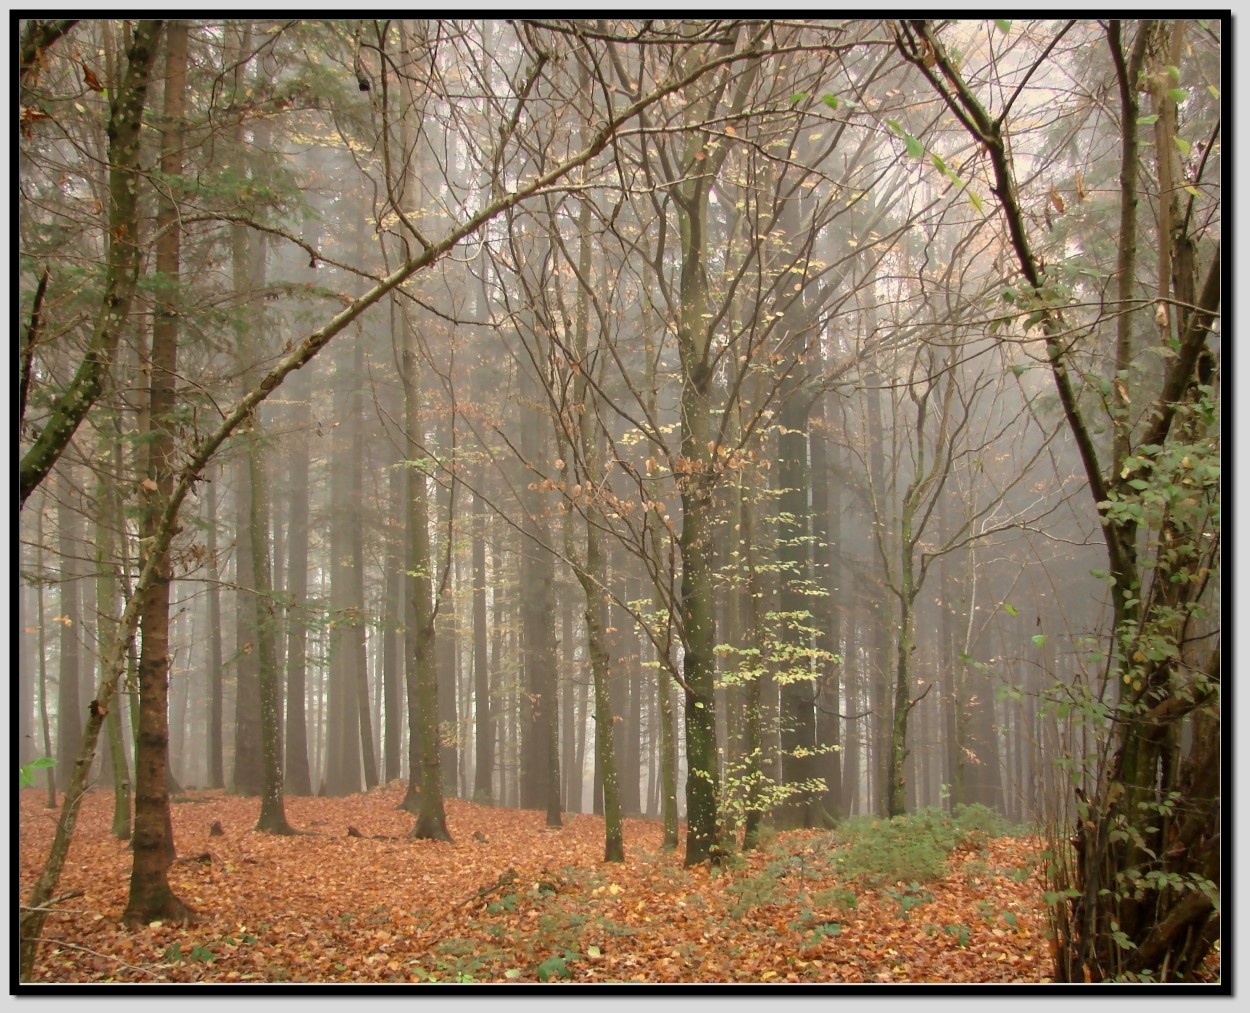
pixel 512 900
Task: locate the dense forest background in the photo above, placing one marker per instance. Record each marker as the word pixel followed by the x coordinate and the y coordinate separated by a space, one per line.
pixel 733 422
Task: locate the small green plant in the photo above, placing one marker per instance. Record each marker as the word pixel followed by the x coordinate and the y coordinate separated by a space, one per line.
pixel 838 898
pixel 556 966
pixel 913 895
pixel 819 932
pixel 26 772
pixel 961 932
pixel 199 952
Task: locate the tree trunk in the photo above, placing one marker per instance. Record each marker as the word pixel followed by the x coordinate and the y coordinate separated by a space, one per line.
pixel 423 689
pixel 45 722
pixel 342 768
pixel 151 896
pixel 298 775
pixel 216 703
pixel 392 633
pixel 572 785
pixel 798 715
pixel 68 706
pixel 272 804
pixel 827 611
pixel 121 267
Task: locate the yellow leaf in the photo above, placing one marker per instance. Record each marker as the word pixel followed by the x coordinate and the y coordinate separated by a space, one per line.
pixel 613 889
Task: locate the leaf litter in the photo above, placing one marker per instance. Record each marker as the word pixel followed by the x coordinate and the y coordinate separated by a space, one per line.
pixel 515 901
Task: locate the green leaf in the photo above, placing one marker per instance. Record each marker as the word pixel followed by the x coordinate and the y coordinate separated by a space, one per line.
pixel 203 954
pixel 1175 72
pixel 25 773
pixel 1011 610
pixel 914 147
pixel 512 972
pixel 939 162
pixel 1039 639
pixel 1193 190
pixel 830 100
pixel 1003 25
pixel 1145 121
pixel 976 201
pixel 1215 92
pixel 593 951
pixel 553 967
pixel 1178 94
pixel 1017 369
pixel 1183 145
pixel 797 97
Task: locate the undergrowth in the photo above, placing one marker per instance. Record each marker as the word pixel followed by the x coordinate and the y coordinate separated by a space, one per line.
pixel 914 848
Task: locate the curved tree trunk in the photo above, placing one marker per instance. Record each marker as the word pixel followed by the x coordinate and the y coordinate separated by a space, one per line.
pixel 122 266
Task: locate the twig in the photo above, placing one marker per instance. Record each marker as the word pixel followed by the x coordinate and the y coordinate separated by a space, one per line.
pixel 56 900
pixel 106 956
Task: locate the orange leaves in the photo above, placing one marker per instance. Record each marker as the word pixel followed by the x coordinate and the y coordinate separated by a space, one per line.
pixel 511 900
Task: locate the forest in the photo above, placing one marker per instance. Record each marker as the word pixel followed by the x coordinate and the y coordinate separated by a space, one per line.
pixel 592 500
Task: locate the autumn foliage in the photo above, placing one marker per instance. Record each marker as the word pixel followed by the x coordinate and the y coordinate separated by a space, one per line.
pixel 356 899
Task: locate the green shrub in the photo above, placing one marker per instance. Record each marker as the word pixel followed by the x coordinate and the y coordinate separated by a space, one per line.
pixel 977 824
pixel 906 849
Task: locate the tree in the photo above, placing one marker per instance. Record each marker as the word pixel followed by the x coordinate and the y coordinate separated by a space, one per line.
pixel 1141 895
pixel 126 109
pixel 150 894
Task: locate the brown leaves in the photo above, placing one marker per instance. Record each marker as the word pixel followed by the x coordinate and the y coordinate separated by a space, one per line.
pixel 510 897
pixel 90 80
pixel 1056 199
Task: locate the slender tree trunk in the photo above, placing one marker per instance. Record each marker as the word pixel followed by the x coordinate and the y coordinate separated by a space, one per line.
pixel 879 669
pixel 571 785
pixel 68 706
pixel 216 709
pixel 45 722
pixel 26 667
pixel 484 739
pixel 631 760
pixel 272 804
pixel 798 715
pixel 342 768
pixel 827 610
pixel 298 776
pixel 247 253
pixel 392 633
pixel 423 689
pixel 151 896
pixel 752 640
pixel 356 582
